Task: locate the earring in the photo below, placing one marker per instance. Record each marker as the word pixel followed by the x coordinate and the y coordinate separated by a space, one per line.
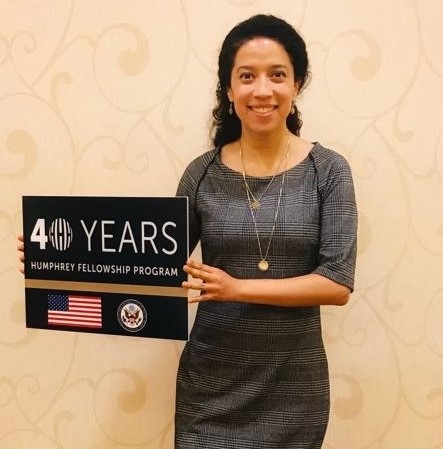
pixel 231 109
pixel 293 108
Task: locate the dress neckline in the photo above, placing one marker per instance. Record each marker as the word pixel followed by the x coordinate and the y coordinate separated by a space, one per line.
pixel 297 166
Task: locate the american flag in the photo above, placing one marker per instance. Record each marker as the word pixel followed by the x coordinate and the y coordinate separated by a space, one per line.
pixel 74 310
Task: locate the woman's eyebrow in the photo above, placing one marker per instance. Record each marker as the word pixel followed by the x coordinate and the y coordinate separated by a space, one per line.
pixel 250 67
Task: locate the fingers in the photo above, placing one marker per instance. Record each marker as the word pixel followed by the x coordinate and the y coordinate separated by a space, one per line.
pixel 201 276
pixel 193 285
pixel 213 283
pixel 195 299
pixel 20 244
pixel 198 270
pixel 21 254
pixel 192 264
pixel 196 285
pixel 21 248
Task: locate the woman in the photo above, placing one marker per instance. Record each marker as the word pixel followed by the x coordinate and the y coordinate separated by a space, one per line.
pixel 276 217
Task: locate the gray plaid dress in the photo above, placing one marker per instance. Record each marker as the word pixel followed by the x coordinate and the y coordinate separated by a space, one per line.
pixel 256 376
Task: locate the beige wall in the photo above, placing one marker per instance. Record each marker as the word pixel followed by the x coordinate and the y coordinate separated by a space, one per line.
pixel 113 97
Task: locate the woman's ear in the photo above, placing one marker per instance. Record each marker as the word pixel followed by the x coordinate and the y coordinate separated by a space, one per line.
pixel 229 92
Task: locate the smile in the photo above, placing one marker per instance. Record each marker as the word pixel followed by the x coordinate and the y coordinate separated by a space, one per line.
pixel 262 109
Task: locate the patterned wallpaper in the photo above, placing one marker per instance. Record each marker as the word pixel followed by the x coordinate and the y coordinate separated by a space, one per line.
pixel 105 97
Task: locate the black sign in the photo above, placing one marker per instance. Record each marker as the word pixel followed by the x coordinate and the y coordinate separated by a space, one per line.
pixel 106 265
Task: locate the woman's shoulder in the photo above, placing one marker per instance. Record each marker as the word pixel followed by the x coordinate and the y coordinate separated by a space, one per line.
pixel 326 159
pixel 199 164
pixel 331 167
pixel 324 154
pixel 206 157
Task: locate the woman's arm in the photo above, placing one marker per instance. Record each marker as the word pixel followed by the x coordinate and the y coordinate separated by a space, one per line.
pixel 307 290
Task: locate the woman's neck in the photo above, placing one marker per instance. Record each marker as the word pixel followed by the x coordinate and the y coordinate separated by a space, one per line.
pixel 264 143
pixel 262 153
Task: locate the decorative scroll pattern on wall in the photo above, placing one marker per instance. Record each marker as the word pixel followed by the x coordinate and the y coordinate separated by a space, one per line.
pixel 114 98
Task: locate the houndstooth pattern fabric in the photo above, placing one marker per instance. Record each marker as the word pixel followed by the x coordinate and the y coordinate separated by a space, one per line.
pixel 256 376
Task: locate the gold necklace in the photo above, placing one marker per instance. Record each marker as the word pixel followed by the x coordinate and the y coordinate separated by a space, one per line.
pixel 255 203
pixel 263 264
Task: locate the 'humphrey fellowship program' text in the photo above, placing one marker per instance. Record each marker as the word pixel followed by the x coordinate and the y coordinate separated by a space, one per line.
pixel 104 268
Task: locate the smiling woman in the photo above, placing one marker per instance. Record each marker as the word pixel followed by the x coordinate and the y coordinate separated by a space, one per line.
pixel 263 87
pixel 276 217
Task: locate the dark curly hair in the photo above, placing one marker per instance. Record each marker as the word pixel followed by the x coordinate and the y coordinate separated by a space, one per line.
pixel 226 128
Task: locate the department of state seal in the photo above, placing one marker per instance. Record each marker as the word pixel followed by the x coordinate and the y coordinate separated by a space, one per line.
pixel 132 315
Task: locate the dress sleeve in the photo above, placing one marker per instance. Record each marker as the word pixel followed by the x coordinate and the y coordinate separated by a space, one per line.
pixel 338 221
pixel 189 186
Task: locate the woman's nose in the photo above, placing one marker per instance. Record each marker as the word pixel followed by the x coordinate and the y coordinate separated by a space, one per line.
pixel 263 87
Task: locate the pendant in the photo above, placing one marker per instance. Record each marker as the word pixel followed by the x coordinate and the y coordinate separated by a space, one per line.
pixel 255 204
pixel 263 265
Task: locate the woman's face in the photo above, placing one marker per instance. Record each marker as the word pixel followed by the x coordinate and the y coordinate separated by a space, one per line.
pixel 262 86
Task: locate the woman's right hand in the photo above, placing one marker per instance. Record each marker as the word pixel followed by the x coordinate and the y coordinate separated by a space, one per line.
pixel 21 253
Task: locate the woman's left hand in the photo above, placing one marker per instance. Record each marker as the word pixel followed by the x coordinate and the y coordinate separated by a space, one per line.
pixel 214 284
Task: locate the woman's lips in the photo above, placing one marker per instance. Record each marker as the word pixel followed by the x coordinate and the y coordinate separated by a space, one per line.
pixel 262 110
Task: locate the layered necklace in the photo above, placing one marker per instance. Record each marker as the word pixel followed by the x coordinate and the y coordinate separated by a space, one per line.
pixel 254 204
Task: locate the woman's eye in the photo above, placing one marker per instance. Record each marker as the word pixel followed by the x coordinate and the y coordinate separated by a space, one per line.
pixel 279 74
pixel 246 76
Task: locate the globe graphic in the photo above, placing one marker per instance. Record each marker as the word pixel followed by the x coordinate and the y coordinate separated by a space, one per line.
pixel 60 234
